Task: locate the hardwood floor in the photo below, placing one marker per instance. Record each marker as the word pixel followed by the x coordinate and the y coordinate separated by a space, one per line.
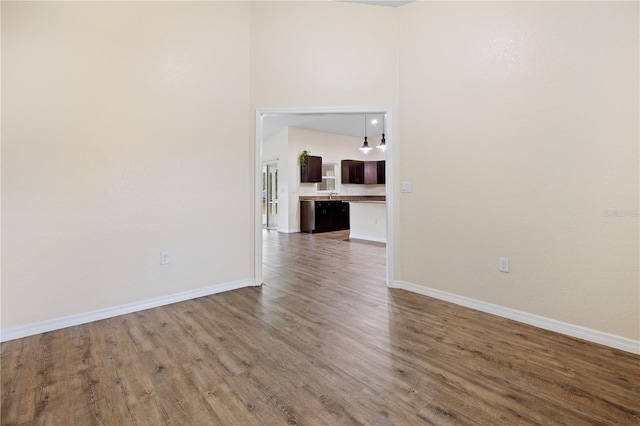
pixel 322 342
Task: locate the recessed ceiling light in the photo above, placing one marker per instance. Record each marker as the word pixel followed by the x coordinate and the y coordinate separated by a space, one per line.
pixel 374 121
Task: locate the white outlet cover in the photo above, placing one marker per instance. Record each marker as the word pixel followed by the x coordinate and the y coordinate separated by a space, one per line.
pixel 405 187
pixel 503 264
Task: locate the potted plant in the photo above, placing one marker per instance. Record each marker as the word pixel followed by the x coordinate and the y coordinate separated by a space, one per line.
pixel 303 159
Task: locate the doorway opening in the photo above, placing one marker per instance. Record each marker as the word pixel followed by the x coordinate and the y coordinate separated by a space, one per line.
pixel 261 172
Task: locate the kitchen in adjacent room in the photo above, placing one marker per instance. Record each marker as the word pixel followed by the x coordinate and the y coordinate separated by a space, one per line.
pixel 327 180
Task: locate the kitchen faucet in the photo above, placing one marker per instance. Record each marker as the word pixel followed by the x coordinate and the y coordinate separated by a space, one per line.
pixel 332 193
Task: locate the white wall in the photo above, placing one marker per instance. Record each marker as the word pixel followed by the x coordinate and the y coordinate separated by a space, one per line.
pixel 368 221
pixel 125 133
pixel 520 133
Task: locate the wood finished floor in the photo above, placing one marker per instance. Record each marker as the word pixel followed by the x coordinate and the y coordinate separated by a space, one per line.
pixel 322 342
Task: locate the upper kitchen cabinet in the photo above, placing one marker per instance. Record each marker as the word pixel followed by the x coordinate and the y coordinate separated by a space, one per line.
pixel 312 172
pixel 363 172
pixel 352 171
pixel 382 171
pixel 370 172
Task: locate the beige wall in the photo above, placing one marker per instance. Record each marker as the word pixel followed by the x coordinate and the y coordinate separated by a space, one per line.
pixel 520 132
pixel 128 131
pixel 323 54
pixel 125 133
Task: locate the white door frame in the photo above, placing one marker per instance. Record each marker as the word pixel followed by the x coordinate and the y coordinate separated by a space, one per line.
pixel 390 166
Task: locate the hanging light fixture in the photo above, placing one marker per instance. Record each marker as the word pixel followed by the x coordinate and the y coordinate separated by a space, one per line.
pixel 365 146
pixel 383 141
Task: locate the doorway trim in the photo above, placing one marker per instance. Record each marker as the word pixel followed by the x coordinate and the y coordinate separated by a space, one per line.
pixel 389 173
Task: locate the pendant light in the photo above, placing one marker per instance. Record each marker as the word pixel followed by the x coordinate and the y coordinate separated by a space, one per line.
pixel 383 141
pixel 365 146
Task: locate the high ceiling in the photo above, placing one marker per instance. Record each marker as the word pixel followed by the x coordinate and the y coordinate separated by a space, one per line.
pixel 342 124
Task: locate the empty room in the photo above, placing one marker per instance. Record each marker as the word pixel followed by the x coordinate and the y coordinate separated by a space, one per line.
pixel 138 285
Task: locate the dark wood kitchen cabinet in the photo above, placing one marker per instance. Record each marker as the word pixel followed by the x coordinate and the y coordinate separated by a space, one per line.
pixel 312 172
pixel 323 216
pixel 370 172
pixel 341 216
pixel 382 171
pixel 352 171
pixel 363 172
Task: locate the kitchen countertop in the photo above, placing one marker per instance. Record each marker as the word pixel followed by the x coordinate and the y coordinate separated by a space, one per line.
pixel 343 198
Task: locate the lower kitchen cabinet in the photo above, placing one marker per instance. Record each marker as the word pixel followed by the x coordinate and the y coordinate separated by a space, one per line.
pixel 323 216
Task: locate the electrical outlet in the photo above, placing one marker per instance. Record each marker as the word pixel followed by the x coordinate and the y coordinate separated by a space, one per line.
pixel 405 187
pixel 164 258
pixel 503 264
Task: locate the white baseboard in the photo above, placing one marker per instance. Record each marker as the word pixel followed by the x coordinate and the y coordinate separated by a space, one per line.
pixel 288 230
pixel 584 333
pixel 611 340
pixel 367 237
pixel 69 321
